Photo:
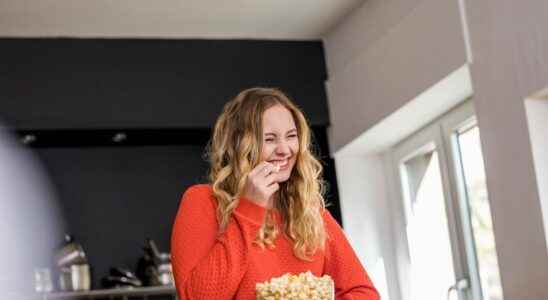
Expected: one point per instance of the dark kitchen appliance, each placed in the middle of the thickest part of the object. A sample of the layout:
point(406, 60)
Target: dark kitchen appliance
point(120, 277)
point(154, 267)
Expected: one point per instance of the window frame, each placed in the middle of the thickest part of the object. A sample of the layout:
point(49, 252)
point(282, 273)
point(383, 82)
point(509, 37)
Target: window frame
point(461, 119)
point(440, 134)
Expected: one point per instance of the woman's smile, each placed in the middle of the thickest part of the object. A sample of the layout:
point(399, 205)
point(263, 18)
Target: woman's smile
point(282, 164)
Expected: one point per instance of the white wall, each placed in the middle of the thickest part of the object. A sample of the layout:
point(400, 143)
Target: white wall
point(510, 48)
point(386, 54)
point(361, 183)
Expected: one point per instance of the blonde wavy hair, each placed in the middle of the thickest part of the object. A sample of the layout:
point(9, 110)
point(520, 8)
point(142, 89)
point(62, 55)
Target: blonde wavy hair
point(234, 150)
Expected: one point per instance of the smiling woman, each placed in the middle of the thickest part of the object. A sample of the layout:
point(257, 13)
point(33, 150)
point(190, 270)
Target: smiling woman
point(265, 191)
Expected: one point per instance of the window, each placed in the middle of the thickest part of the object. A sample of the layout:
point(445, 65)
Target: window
point(478, 225)
point(450, 241)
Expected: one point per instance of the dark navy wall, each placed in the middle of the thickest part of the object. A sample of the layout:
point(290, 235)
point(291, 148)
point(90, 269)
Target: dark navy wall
point(165, 94)
point(82, 83)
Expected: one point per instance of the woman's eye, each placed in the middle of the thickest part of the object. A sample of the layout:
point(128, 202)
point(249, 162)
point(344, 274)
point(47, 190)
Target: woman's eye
point(269, 140)
point(292, 136)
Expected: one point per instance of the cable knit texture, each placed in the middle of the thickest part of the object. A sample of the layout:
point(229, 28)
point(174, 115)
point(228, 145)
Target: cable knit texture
point(227, 266)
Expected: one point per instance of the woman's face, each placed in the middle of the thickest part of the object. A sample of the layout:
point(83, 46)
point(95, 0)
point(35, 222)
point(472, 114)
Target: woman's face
point(280, 140)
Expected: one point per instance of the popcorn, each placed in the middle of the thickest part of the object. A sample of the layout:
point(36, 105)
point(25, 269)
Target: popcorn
point(304, 286)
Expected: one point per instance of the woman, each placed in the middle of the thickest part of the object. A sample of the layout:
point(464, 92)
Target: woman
point(263, 213)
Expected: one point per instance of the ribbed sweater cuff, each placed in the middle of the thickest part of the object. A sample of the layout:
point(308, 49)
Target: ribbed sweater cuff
point(251, 211)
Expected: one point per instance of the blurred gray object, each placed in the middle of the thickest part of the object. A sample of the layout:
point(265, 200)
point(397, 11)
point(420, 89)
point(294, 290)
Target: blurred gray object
point(30, 221)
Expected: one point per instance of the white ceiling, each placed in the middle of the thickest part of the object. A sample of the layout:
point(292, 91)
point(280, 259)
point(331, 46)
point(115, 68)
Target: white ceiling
point(208, 19)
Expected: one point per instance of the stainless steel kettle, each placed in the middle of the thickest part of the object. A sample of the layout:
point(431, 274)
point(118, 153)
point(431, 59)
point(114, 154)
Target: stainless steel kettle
point(74, 270)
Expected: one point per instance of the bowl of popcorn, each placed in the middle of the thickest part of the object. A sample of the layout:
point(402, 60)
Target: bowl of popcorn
point(297, 287)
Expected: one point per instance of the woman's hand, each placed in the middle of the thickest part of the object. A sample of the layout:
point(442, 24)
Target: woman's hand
point(260, 185)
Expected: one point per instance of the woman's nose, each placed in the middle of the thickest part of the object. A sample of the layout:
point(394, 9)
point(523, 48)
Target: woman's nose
point(282, 148)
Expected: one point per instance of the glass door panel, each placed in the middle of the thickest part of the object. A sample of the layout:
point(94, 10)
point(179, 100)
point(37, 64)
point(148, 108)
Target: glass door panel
point(478, 213)
point(429, 243)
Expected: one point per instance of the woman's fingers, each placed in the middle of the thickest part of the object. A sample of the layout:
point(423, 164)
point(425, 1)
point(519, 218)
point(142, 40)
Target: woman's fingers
point(264, 169)
point(261, 182)
point(260, 168)
point(273, 188)
point(270, 178)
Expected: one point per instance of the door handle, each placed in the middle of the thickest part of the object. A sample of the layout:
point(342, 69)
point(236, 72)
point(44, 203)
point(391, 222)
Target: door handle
point(460, 285)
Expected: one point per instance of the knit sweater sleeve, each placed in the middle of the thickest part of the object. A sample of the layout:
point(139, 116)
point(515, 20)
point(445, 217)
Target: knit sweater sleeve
point(207, 265)
point(341, 263)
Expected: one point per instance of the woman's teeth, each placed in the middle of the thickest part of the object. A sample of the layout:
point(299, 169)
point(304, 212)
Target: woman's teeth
point(279, 164)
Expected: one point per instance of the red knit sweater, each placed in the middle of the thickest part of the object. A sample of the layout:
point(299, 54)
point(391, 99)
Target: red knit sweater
point(228, 266)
